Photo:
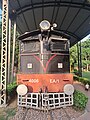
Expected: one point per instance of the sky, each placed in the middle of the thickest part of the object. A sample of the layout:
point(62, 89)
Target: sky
point(88, 36)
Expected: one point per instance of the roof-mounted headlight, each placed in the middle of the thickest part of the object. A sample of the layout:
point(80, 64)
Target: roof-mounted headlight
point(44, 25)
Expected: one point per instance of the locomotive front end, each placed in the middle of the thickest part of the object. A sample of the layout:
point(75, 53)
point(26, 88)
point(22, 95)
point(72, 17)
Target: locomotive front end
point(45, 78)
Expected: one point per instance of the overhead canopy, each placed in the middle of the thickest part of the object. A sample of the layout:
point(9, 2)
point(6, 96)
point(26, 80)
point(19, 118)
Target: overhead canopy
point(72, 16)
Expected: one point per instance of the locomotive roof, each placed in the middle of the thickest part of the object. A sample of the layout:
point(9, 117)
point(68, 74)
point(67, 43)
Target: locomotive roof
point(71, 16)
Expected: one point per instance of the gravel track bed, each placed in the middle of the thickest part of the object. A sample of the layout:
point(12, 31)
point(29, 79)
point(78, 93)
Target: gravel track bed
point(67, 113)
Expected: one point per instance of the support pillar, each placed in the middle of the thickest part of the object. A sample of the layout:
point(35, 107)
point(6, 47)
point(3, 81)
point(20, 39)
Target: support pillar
point(80, 69)
point(13, 52)
point(78, 55)
point(9, 44)
point(4, 53)
point(79, 58)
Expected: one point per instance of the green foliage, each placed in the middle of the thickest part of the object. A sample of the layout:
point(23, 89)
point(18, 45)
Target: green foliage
point(80, 100)
point(10, 112)
point(2, 117)
point(86, 75)
point(73, 55)
point(86, 53)
point(11, 87)
point(76, 78)
point(84, 80)
point(85, 46)
point(81, 79)
point(76, 72)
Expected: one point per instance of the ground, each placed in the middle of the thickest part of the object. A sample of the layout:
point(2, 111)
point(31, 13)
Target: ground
point(9, 111)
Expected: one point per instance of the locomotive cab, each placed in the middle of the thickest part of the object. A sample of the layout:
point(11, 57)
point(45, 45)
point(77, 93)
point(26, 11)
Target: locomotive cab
point(37, 51)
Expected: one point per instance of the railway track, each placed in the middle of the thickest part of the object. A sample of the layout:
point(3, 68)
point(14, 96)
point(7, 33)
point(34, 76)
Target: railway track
point(32, 114)
point(24, 116)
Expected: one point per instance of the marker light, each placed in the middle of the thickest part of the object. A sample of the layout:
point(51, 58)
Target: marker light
point(44, 25)
point(54, 25)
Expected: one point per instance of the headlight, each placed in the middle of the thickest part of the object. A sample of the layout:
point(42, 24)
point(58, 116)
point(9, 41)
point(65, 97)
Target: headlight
point(68, 89)
point(22, 89)
point(44, 25)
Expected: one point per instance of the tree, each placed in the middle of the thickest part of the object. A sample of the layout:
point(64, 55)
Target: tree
point(86, 54)
point(73, 56)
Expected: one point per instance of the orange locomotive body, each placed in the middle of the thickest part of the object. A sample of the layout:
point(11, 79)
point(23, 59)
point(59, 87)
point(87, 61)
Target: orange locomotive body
point(53, 82)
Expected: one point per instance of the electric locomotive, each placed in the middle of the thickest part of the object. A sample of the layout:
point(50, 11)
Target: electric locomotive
point(45, 67)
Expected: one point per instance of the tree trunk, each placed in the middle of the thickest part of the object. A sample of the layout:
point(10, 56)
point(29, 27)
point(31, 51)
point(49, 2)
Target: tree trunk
point(87, 67)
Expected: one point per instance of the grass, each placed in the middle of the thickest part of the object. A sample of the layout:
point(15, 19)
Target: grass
point(2, 117)
point(86, 74)
point(8, 113)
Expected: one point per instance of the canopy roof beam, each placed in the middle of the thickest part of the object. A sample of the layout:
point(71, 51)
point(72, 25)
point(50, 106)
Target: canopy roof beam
point(76, 15)
point(53, 13)
point(65, 15)
point(81, 24)
point(52, 3)
point(33, 14)
point(23, 15)
point(42, 9)
point(57, 12)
